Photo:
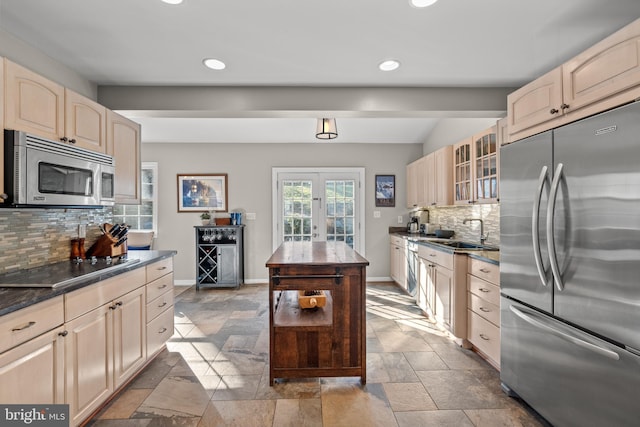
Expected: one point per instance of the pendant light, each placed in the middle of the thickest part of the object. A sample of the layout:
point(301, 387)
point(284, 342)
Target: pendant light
point(326, 129)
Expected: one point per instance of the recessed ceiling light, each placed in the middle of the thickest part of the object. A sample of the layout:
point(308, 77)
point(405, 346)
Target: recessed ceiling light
point(172, 1)
point(214, 64)
point(389, 65)
point(422, 3)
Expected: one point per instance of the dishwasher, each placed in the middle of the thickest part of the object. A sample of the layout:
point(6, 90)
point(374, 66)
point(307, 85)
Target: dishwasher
point(412, 268)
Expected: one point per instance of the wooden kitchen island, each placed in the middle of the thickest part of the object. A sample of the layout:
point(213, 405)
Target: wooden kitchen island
point(318, 342)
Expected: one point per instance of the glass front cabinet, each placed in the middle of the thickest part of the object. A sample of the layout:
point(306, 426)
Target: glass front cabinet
point(476, 171)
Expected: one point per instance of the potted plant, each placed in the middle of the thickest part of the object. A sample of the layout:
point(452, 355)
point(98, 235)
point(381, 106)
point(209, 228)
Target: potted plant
point(206, 218)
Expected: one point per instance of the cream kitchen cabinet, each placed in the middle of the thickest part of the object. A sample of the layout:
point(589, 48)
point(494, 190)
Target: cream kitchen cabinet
point(159, 291)
point(502, 131)
point(439, 178)
point(32, 354)
point(442, 289)
point(399, 261)
point(463, 174)
point(602, 77)
point(483, 285)
point(106, 340)
point(123, 143)
point(415, 183)
point(476, 168)
point(429, 179)
point(42, 107)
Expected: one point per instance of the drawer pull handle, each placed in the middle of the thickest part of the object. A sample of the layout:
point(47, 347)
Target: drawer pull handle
point(162, 268)
point(484, 290)
point(432, 255)
point(162, 305)
point(484, 337)
point(486, 310)
point(119, 304)
point(484, 270)
point(276, 278)
point(162, 330)
point(162, 287)
point(63, 333)
point(22, 328)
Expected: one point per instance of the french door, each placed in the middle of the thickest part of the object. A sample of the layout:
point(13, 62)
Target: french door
point(319, 204)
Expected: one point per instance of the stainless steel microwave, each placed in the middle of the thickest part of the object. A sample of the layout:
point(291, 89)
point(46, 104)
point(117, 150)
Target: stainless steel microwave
point(43, 173)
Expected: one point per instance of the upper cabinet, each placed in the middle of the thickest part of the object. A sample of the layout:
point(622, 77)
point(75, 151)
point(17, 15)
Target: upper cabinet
point(463, 188)
point(32, 103)
point(39, 106)
point(602, 77)
point(536, 102)
point(123, 143)
point(85, 122)
point(486, 152)
point(475, 164)
point(429, 180)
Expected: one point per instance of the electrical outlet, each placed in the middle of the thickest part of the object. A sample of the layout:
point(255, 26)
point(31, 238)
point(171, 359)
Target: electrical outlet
point(400, 220)
point(251, 216)
point(376, 214)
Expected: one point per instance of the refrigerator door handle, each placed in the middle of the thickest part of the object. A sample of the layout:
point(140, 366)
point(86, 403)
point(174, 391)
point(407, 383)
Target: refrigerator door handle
point(575, 340)
point(551, 243)
point(535, 226)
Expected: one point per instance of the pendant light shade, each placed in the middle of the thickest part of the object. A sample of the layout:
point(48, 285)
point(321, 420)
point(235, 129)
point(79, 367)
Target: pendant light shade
point(326, 129)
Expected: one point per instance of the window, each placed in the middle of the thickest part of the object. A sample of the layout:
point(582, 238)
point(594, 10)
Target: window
point(145, 215)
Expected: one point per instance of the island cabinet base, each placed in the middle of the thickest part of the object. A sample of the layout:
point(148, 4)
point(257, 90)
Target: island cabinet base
point(328, 341)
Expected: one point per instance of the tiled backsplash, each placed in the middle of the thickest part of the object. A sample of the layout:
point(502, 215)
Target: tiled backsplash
point(452, 217)
point(34, 237)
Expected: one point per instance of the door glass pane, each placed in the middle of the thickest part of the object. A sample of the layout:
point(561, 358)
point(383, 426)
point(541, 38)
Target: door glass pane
point(297, 222)
point(340, 202)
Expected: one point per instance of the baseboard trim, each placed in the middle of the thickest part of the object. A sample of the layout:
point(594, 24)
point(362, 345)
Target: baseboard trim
point(265, 281)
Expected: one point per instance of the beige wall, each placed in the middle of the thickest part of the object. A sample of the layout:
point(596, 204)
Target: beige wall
point(249, 178)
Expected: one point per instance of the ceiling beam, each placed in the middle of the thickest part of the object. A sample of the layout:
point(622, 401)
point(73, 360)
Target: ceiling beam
point(206, 101)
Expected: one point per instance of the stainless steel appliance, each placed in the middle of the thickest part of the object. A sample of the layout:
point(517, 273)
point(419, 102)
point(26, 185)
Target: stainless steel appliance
point(39, 172)
point(570, 270)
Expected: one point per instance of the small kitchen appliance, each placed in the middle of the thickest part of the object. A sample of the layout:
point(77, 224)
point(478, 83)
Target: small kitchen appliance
point(413, 226)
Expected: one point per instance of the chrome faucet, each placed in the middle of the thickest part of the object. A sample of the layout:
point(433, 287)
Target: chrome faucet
point(483, 238)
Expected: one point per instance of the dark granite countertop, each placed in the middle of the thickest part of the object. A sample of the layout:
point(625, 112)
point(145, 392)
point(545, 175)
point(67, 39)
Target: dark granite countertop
point(16, 298)
point(492, 257)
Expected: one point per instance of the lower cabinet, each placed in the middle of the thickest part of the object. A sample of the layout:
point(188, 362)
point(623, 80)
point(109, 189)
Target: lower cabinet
point(35, 370)
point(80, 347)
point(441, 288)
point(483, 284)
point(399, 261)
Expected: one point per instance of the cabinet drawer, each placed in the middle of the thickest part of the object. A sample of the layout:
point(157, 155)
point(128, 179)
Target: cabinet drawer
point(159, 286)
point(444, 259)
point(398, 241)
point(485, 336)
point(22, 325)
point(160, 304)
point(159, 330)
point(484, 270)
point(483, 289)
point(93, 296)
point(485, 309)
point(159, 269)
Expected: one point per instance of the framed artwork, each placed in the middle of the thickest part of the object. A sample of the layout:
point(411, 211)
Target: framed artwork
point(385, 190)
point(202, 193)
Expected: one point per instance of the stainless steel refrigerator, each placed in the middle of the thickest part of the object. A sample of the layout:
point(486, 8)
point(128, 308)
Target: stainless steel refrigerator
point(570, 270)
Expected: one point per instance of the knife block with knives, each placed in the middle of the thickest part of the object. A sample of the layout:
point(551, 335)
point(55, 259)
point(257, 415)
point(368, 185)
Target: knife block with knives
point(113, 241)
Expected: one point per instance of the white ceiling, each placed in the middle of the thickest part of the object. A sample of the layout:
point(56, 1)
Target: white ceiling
point(454, 43)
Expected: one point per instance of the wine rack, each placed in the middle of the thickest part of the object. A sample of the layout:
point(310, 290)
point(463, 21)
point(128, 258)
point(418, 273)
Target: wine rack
point(219, 256)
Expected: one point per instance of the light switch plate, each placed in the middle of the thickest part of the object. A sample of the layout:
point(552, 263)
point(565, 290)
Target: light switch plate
point(400, 220)
point(376, 214)
point(251, 216)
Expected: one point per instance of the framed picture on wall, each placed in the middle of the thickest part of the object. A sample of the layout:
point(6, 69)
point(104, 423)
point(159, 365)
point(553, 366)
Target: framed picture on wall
point(385, 190)
point(202, 193)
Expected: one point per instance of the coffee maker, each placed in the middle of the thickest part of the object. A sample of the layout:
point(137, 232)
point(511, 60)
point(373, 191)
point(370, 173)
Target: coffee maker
point(413, 226)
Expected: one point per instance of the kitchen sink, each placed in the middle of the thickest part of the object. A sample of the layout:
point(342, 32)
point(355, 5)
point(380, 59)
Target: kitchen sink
point(467, 246)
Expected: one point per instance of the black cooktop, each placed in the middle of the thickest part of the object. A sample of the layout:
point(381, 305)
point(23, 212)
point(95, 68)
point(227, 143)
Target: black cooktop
point(63, 273)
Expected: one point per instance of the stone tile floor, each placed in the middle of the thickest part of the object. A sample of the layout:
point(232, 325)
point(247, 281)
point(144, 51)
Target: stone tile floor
point(215, 372)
